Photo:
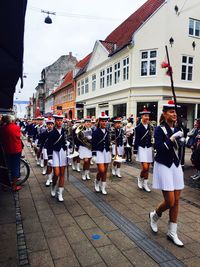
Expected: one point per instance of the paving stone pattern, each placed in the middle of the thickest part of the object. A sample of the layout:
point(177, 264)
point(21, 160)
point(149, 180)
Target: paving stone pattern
point(61, 234)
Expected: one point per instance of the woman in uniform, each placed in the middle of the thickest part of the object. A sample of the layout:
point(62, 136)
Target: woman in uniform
point(56, 150)
point(101, 148)
point(167, 172)
point(117, 152)
point(143, 148)
point(84, 137)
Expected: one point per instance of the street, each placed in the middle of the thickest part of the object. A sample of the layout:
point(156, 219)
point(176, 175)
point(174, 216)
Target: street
point(89, 229)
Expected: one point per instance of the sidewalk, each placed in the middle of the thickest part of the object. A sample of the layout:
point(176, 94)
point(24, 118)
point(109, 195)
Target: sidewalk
point(89, 229)
point(8, 238)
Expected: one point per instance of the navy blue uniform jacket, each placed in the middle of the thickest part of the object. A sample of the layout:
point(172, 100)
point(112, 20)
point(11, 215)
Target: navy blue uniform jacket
point(145, 141)
point(99, 143)
point(119, 134)
point(165, 153)
point(52, 145)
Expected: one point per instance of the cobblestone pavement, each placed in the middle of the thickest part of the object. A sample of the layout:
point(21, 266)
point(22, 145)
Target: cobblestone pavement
point(78, 232)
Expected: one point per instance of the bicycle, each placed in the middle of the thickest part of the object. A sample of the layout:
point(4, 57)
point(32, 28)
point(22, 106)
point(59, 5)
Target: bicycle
point(24, 173)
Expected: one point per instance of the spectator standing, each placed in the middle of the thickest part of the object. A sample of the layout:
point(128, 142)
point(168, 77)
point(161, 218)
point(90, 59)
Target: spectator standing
point(10, 138)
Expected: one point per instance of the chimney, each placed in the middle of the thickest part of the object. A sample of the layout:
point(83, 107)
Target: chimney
point(70, 54)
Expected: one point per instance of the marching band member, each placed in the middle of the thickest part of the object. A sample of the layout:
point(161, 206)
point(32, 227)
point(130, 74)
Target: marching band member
point(76, 160)
point(143, 148)
point(167, 172)
point(101, 147)
point(56, 150)
point(47, 169)
point(40, 129)
point(129, 133)
point(117, 137)
point(84, 137)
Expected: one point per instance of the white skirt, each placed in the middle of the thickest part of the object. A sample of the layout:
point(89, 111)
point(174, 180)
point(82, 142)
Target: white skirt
point(145, 154)
point(167, 179)
point(120, 150)
point(59, 158)
point(44, 153)
point(84, 152)
point(103, 157)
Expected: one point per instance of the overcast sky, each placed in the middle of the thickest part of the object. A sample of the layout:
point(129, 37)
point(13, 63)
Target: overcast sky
point(73, 30)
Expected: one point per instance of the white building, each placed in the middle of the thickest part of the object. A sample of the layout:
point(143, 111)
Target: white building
point(124, 73)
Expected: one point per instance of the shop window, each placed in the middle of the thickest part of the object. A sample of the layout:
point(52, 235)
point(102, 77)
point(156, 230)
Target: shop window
point(119, 110)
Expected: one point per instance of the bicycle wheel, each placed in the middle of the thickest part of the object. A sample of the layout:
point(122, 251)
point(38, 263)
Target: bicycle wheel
point(24, 171)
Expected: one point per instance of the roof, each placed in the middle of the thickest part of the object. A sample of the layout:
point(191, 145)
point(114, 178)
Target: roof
point(83, 62)
point(108, 45)
point(82, 65)
point(123, 34)
point(68, 79)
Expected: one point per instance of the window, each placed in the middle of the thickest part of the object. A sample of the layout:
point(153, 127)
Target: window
point(125, 69)
point(69, 94)
point(194, 27)
point(109, 76)
point(86, 85)
point(187, 68)
point(119, 110)
point(79, 88)
point(117, 72)
point(148, 63)
point(82, 87)
point(102, 78)
point(94, 78)
point(91, 112)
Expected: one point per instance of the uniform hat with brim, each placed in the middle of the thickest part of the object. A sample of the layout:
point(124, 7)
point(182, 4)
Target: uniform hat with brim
point(103, 116)
point(145, 111)
point(87, 118)
point(117, 119)
point(49, 120)
point(40, 118)
point(58, 116)
point(169, 105)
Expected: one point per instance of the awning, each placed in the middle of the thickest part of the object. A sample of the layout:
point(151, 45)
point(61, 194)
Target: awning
point(11, 48)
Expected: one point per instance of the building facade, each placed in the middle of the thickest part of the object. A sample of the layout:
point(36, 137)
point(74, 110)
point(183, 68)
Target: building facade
point(52, 76)
point(124, 73)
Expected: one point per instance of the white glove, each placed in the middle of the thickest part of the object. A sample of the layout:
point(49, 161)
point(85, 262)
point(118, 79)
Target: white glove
point(50, 162)
point(176, 135)
point(94, 159)
point(67, 144)
point(89, 137)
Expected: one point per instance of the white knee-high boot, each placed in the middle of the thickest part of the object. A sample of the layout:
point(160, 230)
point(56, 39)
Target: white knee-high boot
point(97, 185)
point(84, 175)
point(172, 234)
point(103, 188)
point(87, 172)
point(60, 194)
point(153, 216)
point(49, 179)
point(118, 173)
point(140, 182)
point(53, 190)
point(78, 167)
point(145, 186)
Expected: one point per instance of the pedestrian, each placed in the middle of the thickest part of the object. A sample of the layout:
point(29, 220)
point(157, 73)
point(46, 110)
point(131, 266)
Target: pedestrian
point(10, 138)
point(56, 151)
point(101, 148)
point(143, 148)
point(167, 171)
